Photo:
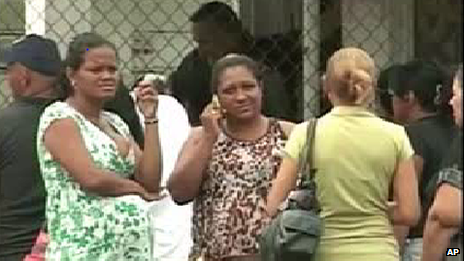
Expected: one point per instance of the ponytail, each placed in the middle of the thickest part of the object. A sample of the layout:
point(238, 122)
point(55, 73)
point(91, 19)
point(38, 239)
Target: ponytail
point(355, 87)
point(350, 76)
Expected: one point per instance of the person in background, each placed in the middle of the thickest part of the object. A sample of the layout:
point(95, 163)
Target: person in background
point(171, 224)
point(357, 156)
point(443, 228)
point(226, 165)
point(33, 64)
point(96, 177)
point(124, 107)
point(218, 31)
point(420, 102)
point(387, 78)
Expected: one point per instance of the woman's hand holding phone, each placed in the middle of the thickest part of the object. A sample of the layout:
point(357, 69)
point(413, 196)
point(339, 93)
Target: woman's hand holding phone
point(210, 119)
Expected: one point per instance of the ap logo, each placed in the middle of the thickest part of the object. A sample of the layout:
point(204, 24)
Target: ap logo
point(453, 251)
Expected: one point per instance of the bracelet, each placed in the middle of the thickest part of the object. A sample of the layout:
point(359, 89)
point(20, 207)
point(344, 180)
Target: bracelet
point(151, 121)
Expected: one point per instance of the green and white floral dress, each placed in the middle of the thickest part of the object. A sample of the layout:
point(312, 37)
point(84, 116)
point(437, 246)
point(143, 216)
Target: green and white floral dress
point(84, 226)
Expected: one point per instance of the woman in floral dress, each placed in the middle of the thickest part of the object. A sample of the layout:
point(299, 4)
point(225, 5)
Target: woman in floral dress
point(97, 178)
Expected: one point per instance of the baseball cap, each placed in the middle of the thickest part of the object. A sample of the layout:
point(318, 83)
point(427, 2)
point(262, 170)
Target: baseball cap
point(36, 53)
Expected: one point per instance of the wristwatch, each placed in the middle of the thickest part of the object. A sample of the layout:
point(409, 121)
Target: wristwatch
point(452, 176)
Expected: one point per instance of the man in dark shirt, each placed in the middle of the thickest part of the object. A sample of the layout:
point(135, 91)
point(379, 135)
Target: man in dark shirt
point(431, 138)
point(218, 31)
point(32, 67)
point(420, 101)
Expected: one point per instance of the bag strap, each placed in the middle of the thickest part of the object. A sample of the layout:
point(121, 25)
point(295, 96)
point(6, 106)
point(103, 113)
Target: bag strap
point(306, 162)
point(307, 171)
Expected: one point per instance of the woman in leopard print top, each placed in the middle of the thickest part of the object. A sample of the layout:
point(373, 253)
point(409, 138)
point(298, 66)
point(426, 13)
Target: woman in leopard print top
point(227, 164)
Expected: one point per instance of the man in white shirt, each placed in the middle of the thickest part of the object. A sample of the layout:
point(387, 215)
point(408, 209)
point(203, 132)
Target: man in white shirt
point(171, 223)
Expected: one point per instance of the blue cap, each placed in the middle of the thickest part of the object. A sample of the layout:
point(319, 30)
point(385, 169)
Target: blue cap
point(36, 53)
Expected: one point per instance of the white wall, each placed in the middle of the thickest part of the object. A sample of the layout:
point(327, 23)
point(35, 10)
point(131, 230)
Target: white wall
point(58, 20)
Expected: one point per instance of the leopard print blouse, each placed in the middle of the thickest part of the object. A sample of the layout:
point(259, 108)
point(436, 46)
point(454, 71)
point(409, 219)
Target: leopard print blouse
point(226, 219)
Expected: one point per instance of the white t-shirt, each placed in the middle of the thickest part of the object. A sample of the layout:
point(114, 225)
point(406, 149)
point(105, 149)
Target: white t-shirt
point(171, 223)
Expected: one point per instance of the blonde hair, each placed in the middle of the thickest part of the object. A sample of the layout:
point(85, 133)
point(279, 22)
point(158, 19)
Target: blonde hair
point(351, 76)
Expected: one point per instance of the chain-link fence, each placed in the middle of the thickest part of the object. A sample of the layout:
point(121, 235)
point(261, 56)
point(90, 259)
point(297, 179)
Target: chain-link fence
point(295, 37)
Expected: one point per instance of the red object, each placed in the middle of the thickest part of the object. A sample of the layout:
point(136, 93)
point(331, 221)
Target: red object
point(39, 248)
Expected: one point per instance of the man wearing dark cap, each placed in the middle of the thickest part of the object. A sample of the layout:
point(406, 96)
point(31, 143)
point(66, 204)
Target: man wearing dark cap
point(33, 64)
point(218, 31)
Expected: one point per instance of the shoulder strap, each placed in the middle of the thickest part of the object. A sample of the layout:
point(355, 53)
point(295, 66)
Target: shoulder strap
point(306, 162)
point(307, 171)
point(281, 129)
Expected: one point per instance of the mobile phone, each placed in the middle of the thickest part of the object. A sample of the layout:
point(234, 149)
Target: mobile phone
point(215, 102)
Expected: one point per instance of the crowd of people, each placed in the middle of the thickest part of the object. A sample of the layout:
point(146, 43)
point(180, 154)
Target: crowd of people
point(195, 165)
